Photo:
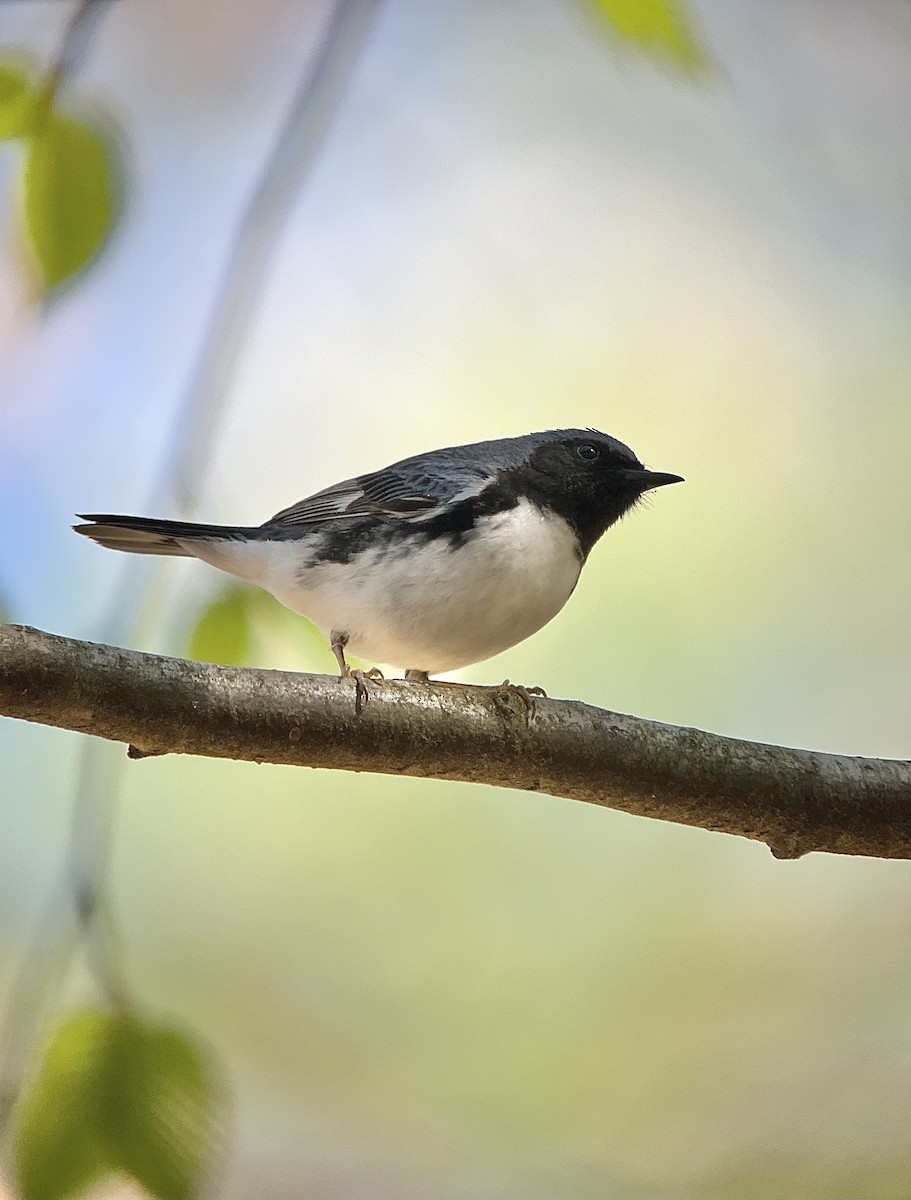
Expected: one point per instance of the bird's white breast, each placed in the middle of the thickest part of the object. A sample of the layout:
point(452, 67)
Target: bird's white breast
point(430, 605)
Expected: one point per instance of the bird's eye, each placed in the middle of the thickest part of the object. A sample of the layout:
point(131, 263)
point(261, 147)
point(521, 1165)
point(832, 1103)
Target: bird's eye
point(588, 452)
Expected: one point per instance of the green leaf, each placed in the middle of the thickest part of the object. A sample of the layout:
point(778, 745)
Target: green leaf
point(17, 101)
point(57, 1149)
point(158, 1115)
point(117, 1095)
point(244, 624)
point(659, 27)
point(222, 632)
point(293, 637)
point(68, 195)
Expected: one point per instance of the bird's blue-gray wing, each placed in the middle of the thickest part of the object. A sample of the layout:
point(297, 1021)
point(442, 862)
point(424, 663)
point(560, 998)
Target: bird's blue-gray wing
point(406, 489)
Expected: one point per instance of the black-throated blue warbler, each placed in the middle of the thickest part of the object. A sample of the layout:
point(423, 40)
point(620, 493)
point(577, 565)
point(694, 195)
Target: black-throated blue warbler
point(433, 563)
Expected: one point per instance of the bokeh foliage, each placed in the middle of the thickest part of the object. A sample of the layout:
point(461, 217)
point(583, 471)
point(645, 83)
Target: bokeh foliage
point(662, 28)
point(118, 1095)
point(66, 177)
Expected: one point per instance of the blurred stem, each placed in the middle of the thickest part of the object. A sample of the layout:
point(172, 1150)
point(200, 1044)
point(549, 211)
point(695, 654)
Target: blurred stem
point(77, 36)
point(90, 837)
point(50, 952)
point(184, 467)
point(294, 152)
point(134, 603)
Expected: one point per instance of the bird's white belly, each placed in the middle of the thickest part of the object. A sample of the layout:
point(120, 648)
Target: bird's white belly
point(432, 606)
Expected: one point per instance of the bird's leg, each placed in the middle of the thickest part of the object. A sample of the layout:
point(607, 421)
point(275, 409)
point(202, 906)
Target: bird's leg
point(414, 676)
point(338, 642)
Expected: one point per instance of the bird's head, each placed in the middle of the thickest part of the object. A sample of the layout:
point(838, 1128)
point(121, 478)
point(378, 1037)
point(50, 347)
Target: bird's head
point(588, 478)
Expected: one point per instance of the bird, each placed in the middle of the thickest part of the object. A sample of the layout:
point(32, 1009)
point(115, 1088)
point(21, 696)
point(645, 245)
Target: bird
point(436, 562)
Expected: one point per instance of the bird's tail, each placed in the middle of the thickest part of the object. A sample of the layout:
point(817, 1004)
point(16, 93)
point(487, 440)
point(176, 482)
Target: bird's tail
point(146, 535)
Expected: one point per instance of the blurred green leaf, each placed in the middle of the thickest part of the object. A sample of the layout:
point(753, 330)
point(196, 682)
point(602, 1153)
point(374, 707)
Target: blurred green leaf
point(117, 1095)
point(659, 27)
point(296, 639)
point(57, 1149)
point(17, 100)
point(69, 196)
point(245, 624)
point(222, 632)
point(5, 614)
point(159, 1112)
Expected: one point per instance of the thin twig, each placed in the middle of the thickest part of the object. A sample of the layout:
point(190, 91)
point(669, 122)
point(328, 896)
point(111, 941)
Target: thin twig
point(42, 970)
point(281, 179)
point(302, 135)
point(77, 37)
point(184, 463)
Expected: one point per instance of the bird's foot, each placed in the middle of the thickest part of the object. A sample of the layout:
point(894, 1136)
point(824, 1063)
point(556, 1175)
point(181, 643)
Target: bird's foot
point(361, 691)
point(500, 693)
point(526, 695)
point(337, 644)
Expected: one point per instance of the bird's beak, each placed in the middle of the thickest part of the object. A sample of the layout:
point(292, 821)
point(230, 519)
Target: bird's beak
point(645, 481)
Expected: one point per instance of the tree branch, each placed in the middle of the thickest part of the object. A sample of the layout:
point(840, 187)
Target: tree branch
point(793, 800)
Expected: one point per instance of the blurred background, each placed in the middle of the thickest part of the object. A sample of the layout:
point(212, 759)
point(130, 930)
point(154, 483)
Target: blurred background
point(431, 991)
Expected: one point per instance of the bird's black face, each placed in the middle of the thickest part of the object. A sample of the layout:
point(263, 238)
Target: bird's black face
point(590, 481)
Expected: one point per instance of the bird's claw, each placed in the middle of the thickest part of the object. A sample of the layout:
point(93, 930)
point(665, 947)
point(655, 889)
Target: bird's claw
point(526, 695)
point(337, 645)
point(361, 691)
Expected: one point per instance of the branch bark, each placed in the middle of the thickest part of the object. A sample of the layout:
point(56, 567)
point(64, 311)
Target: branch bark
point(793, 800)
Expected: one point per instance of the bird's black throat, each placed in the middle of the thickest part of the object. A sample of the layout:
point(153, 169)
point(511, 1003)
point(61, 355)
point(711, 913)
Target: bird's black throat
point(590, 506)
